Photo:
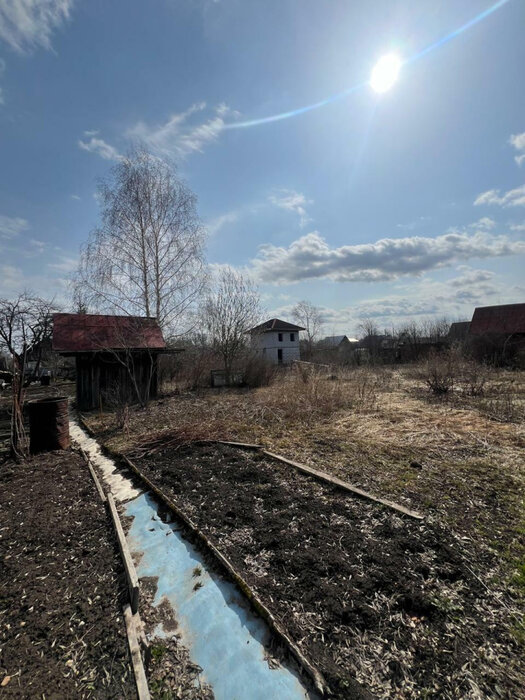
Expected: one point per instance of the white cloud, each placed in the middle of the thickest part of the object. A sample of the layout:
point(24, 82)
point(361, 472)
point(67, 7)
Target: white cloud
point(518, 141)
point(37, 246)
point(418, 300)
point(518, 227)
point(64, 264)
point(10, 277)
point(2, 71)
point(311, 257)
point(11, 227)
point(290, 200)
point(215, 225)
point(29, 24)
point(75, 196)
point(180, 136)
point(416, 223)
point(512, 198)
point(14, 280)
point(100, 147)
point(483, 224)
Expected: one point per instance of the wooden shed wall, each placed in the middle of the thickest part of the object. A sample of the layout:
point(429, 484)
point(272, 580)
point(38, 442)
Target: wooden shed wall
point(102, 379)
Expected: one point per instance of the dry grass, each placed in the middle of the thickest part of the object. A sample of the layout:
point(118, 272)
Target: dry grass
point(379, 429)
point(458, 459)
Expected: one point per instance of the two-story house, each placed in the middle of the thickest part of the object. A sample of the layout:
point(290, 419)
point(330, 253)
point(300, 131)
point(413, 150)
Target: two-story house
point(276, 340)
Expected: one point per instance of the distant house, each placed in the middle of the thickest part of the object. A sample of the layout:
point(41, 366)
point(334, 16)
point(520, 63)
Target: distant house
point(507, 320)
point(116, 356)
point(276, 340)
point(339, 342)
point(497, 334)
point(458, 331)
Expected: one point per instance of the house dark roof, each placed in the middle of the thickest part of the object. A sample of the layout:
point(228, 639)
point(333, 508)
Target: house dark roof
point(333, 341)
point(506, 319)
point(92, 332)
point(275, 324)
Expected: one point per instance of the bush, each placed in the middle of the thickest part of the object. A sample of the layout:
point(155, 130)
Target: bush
point(258, 371)
point(439, 372)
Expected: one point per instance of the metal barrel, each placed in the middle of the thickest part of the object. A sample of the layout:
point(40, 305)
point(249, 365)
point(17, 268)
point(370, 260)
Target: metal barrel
point(48, 424)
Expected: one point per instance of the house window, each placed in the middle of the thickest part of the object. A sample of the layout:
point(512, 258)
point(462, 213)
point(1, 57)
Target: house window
point(280, 337)
point(292, 337)
point(280, 354)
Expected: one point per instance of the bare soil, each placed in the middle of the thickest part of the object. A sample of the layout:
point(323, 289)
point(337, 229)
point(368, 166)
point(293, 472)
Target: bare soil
point(458, 460)
point(62, 633)
point(365, 593)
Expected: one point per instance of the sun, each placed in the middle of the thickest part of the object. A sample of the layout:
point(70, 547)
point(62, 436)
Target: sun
point(385, 72)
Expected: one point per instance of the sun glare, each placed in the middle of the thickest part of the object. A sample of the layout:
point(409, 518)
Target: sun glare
point(385, 72)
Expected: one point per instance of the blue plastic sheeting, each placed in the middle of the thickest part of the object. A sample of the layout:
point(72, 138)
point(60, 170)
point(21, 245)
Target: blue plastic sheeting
point(221, 634)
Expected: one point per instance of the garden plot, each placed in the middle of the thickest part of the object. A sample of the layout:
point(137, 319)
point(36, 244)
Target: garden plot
point(363, 591)
point(62, 633)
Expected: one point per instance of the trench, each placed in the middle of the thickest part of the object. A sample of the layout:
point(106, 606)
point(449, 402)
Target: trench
point(216, 623)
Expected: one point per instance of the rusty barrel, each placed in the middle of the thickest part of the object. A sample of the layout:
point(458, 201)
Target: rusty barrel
point(48, 424)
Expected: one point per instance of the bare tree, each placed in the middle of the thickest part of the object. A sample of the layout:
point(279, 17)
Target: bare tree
point(25, 322)
point(368, 328)
point(229, 311)
point(147, 257)
point(309, 316)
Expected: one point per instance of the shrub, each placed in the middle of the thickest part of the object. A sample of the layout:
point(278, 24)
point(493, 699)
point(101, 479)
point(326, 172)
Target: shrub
point(439, 372)
point(472, 376)
point(258, 371)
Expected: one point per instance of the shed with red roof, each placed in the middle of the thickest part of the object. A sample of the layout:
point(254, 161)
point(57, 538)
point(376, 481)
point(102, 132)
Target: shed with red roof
point(116, 356)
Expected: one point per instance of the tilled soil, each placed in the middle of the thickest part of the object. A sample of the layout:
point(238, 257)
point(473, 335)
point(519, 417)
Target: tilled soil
point(62, 633)
point(364, 592)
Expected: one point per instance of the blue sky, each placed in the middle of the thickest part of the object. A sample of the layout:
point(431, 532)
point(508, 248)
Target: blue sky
point(409, 204)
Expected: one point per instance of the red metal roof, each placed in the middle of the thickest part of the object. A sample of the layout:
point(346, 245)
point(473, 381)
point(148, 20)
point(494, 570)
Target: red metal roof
point(94, 332)
point(506, 319)
point(275, 324)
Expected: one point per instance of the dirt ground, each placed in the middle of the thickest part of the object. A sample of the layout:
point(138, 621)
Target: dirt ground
point(458, 460)
point(366, 594)
point(62, 633)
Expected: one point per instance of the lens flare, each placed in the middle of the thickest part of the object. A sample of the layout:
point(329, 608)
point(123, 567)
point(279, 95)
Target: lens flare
point(385, 73)
point(359, 86)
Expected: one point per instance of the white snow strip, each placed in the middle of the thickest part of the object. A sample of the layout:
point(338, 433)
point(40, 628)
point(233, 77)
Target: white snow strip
point(119, 486)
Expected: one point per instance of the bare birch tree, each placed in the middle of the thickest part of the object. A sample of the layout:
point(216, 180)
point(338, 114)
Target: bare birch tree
point(231, 309)
point(147, 257)
point(309, 316)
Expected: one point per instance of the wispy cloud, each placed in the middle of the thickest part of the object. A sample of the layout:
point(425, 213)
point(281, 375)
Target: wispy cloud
point(421, 299)
point(64, 264)
point(10, 227)
point(75, 196)
point(512, 198)
point(215, 225)
point(181, 135)
point(293, 201)
point(29, 24)
point(98, 146)
point(311, 257)
point(518, 141)
point(2, 71)
point(483, 224)
point(36, 246)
